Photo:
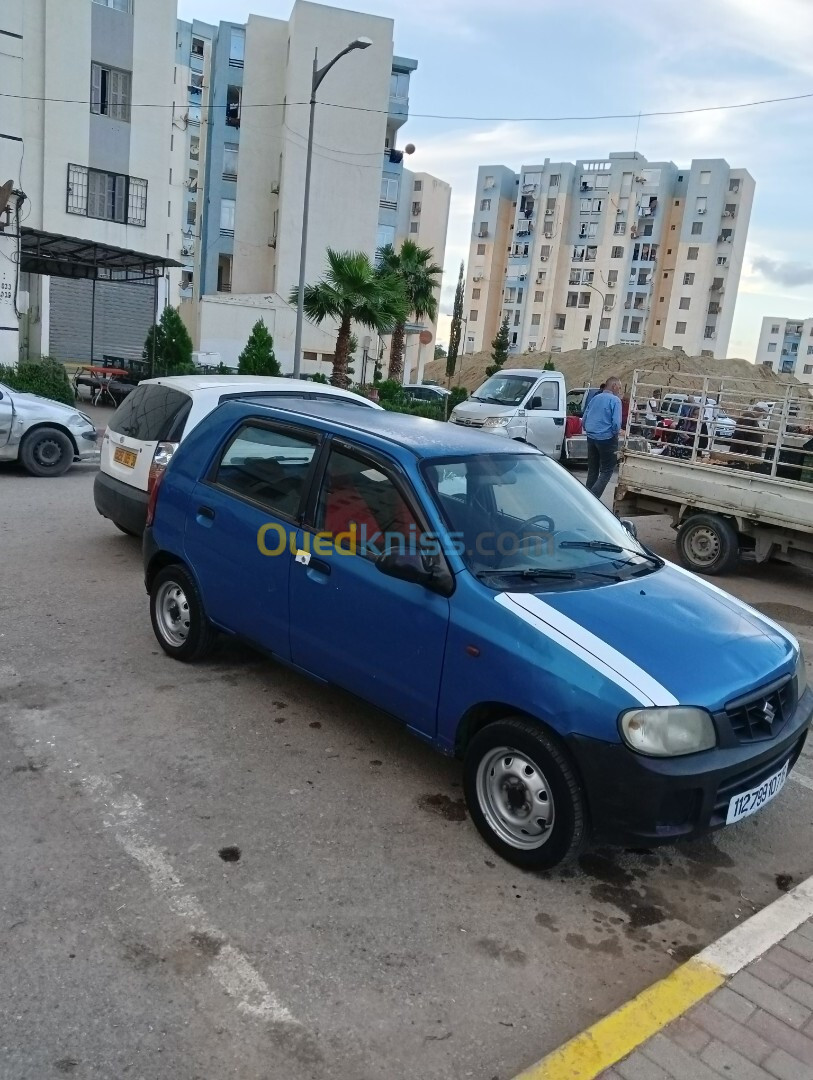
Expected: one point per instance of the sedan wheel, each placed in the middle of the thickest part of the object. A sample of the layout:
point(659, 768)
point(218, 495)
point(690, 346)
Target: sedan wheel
point(178, 619)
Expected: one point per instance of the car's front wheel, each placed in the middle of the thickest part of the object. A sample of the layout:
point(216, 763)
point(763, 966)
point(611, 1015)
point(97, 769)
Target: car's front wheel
point(524, 795)
point(46, 451)
point(178, 619)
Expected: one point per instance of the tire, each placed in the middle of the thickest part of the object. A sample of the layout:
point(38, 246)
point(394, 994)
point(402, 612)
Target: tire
point(708, 544)
point(178, 619)
point(524, 750)
point(127, 532)
point(46, 451)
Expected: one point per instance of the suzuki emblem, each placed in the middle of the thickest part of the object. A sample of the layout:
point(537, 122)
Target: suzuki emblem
point(769, 712)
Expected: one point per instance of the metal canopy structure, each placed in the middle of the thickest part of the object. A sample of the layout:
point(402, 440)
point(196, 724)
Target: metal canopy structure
point(68, 256)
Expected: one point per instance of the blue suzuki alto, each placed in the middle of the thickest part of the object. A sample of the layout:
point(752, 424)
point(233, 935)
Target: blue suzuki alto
point(477, 592)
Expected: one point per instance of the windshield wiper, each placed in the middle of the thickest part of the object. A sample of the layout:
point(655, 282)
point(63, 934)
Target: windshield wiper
point(606, 545)
point(529, 572)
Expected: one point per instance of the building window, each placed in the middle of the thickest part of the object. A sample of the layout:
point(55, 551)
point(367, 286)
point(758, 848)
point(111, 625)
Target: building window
point(572, 299)
point(810, 350)
point(808, 369)
point(234, 98)
point(693, 253)
point(625, 324)
point(413, 226)
point(473, 315)
point(108, 196)
point(194, 147)
point(386, 235)
point(389, 191)
point(584, 299)
point(197, 46)
point(488, 182)
point(536, 320)
point(733, 186)
point(559, 322)
point(730, 209)
point(237, 48)
point(604, 324)
point(705, 178)
point(481, 249)
point(187, 279)
point(517, 317)
point(775, 328)
point(224, 265)
point(684, 303)
point(485, 204)
point(697, 228)
point(555, 180)
point(230, 152)
point(110, 92)
point(688, 279)
point(475, 294)
point(399, 86)
point(227, 217)
point(483, 230)
point(635, 326)
point(680, 328)
point(617, 253)
point(620, 228)
point(771, 346)
point(588, 322)
point(418, 185)
point(117, 5)
point(191, 212)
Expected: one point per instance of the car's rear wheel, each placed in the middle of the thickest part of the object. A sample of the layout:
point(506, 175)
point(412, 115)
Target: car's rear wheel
point(178, 619)
point(523, 794)
point(126, 531)
point(708, 544)
point(46, 451)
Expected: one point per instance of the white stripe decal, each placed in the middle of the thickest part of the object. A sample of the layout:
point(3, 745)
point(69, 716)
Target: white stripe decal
point(786, 634)
point(589, 648)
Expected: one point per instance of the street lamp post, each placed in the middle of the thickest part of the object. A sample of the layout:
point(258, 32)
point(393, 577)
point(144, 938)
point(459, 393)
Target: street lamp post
point(598, 331)
point(316, 80)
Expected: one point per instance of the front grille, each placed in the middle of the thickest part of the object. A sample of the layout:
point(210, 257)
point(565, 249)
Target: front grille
point(763, 714)
point(467, 422)
point(752, 777)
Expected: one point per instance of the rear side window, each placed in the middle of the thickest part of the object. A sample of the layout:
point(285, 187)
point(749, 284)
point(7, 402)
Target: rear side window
point(268, 465)
point(152, 413)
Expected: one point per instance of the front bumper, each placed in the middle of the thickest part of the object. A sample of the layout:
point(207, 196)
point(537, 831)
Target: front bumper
point(642, 800)
point(125, 505)
point(87, 444)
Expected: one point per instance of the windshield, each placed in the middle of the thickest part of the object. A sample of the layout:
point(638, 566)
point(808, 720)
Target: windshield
point(505, 389)
point(519, 518)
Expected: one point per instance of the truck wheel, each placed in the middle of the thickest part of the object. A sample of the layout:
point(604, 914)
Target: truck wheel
point(708, 544)
point(46, 451)
point(523, 794)
point(178, 619)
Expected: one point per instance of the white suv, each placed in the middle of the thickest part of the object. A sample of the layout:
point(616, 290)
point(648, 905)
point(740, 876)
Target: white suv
point(145, 430)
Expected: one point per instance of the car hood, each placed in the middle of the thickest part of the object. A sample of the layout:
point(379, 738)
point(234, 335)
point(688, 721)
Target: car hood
point(669, 635)
point(33, 404)
point(483, 409)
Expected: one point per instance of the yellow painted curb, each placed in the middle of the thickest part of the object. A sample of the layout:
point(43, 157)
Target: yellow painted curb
point(609, 1040)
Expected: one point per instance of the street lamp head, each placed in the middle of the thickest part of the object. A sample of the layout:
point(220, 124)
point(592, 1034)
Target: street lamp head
point(361, 43)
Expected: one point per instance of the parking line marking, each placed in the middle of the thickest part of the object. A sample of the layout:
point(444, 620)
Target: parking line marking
point(800, 778)
point(612, 1038)
point(599, 1047)
point(230, 967)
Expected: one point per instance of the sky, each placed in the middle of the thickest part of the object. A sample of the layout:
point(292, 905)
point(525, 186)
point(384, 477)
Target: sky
point(532, 58)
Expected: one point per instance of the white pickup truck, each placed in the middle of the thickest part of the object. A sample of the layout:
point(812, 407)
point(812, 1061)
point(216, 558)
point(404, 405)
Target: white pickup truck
point(748, 494)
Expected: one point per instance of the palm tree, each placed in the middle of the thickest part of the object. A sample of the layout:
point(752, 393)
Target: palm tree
point(352, 292)
point(412, 266)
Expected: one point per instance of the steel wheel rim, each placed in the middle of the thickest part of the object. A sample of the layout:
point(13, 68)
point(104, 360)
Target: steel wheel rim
point(515, 798)
point(172, 613)
point(48, 453)
point(703, 545)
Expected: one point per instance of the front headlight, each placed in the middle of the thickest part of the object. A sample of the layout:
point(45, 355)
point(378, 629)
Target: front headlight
point(801, 675)
point(497, 421)
point(668, 731)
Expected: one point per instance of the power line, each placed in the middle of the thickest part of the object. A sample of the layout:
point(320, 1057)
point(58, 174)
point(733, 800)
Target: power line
point(442, 116)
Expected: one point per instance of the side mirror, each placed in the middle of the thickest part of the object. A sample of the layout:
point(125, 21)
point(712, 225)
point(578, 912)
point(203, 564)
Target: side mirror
point(414, 569)
point(535, 403)
point(630, 527)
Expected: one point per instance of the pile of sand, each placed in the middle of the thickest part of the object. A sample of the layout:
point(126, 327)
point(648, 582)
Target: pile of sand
point(621, 360)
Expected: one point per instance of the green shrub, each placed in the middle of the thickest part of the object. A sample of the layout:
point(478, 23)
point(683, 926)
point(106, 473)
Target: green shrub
point(458, 394)
point(46, 377)
point(258, 356)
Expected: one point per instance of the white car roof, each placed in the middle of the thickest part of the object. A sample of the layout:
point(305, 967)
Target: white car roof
point(200, 384)
point(539, 372)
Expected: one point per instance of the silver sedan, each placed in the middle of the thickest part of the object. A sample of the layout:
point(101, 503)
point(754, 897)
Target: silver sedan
point(45, 436)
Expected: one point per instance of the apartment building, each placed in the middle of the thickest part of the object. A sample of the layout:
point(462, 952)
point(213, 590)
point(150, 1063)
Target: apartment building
point(619, 250)
point(86, 132)
point(786, 346)
point(246, 136)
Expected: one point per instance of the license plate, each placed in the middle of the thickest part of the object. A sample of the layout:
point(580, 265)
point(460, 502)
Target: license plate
point(742, 806)
point(125, 457)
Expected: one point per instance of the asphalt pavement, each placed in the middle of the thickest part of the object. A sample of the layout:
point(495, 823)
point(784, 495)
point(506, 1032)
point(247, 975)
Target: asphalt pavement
point(227, 872)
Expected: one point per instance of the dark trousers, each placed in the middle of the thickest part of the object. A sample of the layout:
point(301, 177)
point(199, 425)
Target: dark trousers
point(601, 460)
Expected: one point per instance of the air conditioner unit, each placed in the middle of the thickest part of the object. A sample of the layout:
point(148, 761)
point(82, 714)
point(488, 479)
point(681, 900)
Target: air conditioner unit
point(272, 240)
point(640, 179)
point(187, 252)
point(634, 234)
point(728, 213)
point(548, 213)
point(619, 210)
point(543, 258)
point(477, 277)
point(701, 210)
point(522, 277)
point(548, 235)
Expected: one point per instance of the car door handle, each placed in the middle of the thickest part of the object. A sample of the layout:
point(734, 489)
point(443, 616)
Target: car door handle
point(205, 516)
point(319, 566)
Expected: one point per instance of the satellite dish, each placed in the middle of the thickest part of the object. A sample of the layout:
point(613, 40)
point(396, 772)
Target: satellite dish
point(409, 148)
point(5, 194)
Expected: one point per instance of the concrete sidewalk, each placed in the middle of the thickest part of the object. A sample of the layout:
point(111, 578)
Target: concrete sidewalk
point(743, 1007)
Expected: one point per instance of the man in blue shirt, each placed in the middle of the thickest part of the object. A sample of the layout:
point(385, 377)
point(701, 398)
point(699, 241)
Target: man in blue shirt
point(601, 424)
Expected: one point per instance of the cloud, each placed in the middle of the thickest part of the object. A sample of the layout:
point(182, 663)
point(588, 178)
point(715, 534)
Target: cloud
point(784, 272)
